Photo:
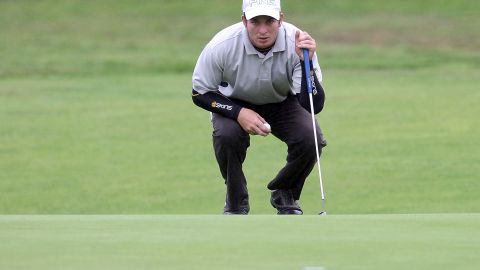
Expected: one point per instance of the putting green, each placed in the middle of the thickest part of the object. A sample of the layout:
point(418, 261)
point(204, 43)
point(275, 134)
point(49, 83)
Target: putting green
point(431, 241)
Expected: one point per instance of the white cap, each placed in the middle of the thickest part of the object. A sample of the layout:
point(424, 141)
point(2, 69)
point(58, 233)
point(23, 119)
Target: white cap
point(254, 8)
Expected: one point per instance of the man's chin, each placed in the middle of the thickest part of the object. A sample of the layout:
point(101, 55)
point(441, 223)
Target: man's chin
point(264, 45)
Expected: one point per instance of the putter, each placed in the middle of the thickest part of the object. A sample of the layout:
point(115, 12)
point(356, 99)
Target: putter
point(310, 95)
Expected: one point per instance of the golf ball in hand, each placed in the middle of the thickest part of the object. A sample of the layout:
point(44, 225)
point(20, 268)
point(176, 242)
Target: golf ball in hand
point(267, 126)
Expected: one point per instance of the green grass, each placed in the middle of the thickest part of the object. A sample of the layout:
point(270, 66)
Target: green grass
point(113, 145)
point(256, 242)
point(96, 116)
point(79, 38)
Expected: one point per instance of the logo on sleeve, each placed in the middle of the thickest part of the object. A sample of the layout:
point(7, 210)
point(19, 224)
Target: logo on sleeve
point(221, 106)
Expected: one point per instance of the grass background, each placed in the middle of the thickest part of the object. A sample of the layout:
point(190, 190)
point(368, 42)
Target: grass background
point(423, 242)
point(96, 116)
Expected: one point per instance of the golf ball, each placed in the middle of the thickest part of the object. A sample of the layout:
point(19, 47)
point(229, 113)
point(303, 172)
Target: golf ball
point(267, 125)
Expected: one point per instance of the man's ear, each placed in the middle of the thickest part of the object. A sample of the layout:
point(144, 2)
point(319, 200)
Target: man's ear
point(280, 20)
point(244, 20)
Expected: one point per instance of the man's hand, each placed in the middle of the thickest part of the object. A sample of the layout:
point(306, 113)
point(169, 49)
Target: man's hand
point(304, 41)
point(252, 122)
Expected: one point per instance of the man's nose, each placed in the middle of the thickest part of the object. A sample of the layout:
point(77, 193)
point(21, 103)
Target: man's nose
point(263, 29)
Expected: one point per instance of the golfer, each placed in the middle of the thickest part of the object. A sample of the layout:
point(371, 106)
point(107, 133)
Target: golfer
point(251, 77)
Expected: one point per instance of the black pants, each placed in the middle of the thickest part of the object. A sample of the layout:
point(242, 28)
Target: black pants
point(292, 124)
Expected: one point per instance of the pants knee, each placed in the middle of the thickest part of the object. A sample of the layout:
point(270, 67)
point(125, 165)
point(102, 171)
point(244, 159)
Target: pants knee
point(231, 137)
point(307, 144)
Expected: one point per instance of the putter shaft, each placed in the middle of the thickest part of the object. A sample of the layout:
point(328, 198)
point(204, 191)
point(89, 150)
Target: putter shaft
point(310, 95)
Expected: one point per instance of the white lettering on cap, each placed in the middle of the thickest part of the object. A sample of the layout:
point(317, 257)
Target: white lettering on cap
point(262, 2)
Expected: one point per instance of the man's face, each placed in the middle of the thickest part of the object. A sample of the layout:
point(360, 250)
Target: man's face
point(262, 30)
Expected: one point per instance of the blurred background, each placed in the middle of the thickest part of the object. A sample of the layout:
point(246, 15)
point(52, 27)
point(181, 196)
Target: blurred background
point(96, 115)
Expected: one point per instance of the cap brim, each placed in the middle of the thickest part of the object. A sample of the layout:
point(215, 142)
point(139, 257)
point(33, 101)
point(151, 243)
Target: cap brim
point(254, 13)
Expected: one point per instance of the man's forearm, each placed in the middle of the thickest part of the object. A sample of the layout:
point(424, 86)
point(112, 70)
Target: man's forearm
point(217, 103)
point(318, 94)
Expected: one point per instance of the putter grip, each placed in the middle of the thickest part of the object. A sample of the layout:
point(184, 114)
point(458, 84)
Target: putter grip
point(306, 60)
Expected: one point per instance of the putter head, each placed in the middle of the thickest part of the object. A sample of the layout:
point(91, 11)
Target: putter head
point(323, 213)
